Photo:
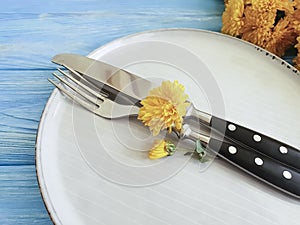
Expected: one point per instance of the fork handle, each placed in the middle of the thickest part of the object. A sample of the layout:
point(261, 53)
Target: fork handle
point(271, 171)
point(260, 142)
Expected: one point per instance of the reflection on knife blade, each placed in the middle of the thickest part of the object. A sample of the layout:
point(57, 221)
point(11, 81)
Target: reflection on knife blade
point(111, 79)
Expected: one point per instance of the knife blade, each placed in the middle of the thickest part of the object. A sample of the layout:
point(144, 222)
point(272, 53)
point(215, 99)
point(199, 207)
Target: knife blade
point(118, 82)
point(115, 79)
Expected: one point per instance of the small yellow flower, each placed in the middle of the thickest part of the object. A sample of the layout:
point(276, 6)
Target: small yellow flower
point(232, 17)
point(258, 26)
point(285, 5)
point(295, 20)
point(296, 4)
point(296, 60)
point(161, 149)
point(264, 5)
point(283, 37)
point(164, 108)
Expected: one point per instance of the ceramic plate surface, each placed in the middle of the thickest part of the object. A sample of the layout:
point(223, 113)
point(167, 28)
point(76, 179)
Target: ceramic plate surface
point(95, 171)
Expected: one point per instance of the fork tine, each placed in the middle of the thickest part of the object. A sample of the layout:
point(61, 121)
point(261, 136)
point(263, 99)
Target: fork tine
point(76, 99)
point(92, 99)
point(104, 94)
point(91, 91)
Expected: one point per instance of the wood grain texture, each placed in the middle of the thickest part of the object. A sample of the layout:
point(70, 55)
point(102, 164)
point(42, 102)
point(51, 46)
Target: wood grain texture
point(31, 32)
point(20, 197)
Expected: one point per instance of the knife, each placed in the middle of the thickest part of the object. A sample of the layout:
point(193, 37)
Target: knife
point(271, 171)
point(116, 82)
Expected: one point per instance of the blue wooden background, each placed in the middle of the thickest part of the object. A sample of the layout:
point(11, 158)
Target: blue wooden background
point(31, 32)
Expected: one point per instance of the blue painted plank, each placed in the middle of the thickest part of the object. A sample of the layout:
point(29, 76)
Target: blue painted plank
point(21, 201)
point(92, 5)
point(23, 96)
point(29, 39)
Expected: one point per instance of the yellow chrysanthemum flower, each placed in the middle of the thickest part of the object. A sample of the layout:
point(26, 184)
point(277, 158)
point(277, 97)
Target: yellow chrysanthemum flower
point(283, 37)
point(296, 4)
point(232, 17)
point(257, 27)
point(295, 20)
point(164, 107)
point(271, 5)
point(296, 60)
point(285, 5)
point(271, 24)
point(160, 149)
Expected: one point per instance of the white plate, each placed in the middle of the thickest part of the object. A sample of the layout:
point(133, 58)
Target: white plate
point(94, 171)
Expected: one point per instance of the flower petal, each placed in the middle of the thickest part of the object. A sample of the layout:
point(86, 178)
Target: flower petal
point(164, 107)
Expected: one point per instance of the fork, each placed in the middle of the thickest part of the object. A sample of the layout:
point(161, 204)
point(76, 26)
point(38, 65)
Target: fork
point(265, 168)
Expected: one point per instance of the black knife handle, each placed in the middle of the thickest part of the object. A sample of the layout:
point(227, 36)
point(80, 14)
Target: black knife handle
point(271, 171)
point(262, 143)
